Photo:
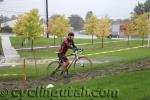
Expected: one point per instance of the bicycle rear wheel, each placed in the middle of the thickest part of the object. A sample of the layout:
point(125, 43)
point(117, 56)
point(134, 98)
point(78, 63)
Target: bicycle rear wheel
point(54, 70)
point(83, 64)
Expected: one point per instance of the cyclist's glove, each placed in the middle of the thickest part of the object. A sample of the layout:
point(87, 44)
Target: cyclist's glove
point(75, 49)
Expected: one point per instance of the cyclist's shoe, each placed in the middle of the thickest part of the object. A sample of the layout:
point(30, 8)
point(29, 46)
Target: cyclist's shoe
point(65, 75)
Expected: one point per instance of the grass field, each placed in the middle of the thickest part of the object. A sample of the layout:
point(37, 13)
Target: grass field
point(131, 85)
point(17, 42)
point(50, 52)
point(125, 57)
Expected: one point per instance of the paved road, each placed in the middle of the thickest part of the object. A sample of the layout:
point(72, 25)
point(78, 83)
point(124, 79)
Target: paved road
point(11, 55)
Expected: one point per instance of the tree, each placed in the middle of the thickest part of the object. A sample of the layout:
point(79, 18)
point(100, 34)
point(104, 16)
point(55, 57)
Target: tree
point(50, 29)
point(130, 30)
point(20, 28)
point(139, 9)
point(33, 26)
point(6, 29)
point(142, 26)
point(28, 26)
point(50, 26)
point(13, 17)
point(91, 26)
point(59, 26)
point(104, 28)
point(147, 6)
point(142, 8)
point(76, 22)
point(88, 15)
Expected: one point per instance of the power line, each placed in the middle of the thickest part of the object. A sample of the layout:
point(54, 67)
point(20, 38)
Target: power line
point(16, 12)
point(10, 11)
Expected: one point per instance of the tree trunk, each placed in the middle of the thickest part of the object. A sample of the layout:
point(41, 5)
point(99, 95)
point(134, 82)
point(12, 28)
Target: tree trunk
point(143, 40)
point(32, 45)
point(54, 40)
point(128, 40)
point(61, 39)
point(23, 42)
point(92, 39)
point(102, 42)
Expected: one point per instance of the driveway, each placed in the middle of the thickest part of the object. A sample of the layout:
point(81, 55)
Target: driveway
point(10, 54)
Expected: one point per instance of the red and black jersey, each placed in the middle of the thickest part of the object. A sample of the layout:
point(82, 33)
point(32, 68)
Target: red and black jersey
point(67, 44)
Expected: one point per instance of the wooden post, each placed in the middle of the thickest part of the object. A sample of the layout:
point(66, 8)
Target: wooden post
point(25, 76)
point(24, 83)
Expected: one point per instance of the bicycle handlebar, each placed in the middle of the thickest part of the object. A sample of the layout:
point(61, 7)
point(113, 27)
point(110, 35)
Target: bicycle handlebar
point(77, 51)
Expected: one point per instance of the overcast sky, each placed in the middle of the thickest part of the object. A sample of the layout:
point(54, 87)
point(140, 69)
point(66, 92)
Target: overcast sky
point(115, 9)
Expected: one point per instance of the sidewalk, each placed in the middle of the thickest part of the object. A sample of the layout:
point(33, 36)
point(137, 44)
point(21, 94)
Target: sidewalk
point(10, 54)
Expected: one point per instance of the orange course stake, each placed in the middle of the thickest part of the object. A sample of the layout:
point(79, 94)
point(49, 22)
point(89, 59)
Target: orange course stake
point(24, 70)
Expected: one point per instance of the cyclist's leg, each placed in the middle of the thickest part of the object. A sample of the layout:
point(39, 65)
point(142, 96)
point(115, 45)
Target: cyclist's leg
point(65, 62)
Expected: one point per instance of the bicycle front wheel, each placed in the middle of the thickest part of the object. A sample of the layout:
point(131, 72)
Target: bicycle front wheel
point(83, 64)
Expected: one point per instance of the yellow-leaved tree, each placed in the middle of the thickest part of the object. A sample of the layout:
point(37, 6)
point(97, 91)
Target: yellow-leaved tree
point(130, 30)
point(50, 26)
point(33, 26)
point(142, 26)
point(59, 26)
point(20, 28)
point(104, 28)
point(29, 26)
point(91, 26)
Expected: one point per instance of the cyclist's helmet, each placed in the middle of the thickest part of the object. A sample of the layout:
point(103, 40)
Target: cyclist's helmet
point(71, 34)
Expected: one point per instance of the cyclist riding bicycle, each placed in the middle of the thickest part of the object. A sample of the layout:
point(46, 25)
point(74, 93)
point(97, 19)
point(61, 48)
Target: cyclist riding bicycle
point(66, 44)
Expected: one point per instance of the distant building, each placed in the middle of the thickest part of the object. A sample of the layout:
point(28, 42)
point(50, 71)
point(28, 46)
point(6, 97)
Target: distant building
point(117, 29)
point(9, 23)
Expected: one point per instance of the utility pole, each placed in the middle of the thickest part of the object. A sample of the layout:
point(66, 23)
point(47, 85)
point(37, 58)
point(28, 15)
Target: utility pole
point(149, 31)
point(47, 18)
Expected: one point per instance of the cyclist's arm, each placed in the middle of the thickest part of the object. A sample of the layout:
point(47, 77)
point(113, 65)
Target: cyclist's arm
point(68, 45)
point(74, 46)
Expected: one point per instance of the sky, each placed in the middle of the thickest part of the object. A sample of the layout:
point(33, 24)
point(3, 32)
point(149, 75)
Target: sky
point(115, 9)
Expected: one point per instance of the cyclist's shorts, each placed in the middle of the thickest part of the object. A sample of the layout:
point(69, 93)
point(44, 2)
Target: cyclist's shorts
point(62, 57)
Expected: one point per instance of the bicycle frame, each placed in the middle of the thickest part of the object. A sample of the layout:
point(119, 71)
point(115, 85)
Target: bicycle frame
point(74, 59)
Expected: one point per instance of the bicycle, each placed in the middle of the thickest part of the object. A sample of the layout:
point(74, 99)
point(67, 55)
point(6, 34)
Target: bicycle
point(78, 61)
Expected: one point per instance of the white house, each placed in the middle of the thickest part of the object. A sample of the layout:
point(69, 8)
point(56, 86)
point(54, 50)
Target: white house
point(9, 23)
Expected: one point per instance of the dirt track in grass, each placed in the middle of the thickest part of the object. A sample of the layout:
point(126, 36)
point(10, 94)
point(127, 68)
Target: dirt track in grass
point(122, 68)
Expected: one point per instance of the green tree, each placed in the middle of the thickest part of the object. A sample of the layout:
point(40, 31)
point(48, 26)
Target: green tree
point(88, 15)
point(91, 26)
point(139, 9)
point(142, 8)
point(76, 22)
point(147, 6)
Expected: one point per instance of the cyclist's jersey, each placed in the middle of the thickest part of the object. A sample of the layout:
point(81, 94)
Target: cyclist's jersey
point(67, 44)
